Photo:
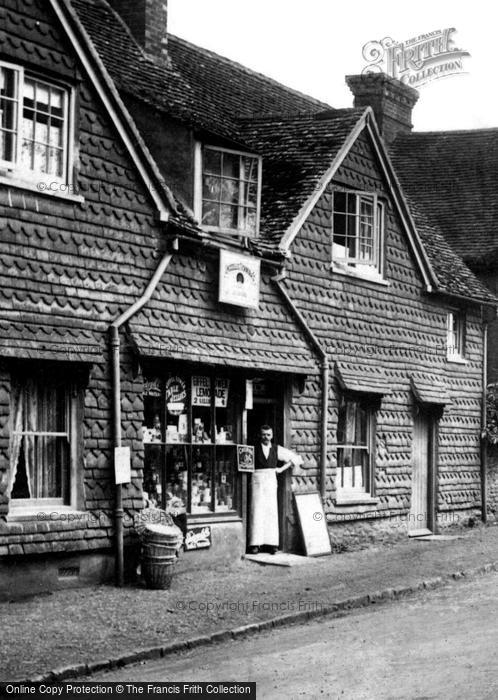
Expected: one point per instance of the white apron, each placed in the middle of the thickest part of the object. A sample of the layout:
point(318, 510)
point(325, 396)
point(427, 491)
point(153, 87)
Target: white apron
point(263, 521)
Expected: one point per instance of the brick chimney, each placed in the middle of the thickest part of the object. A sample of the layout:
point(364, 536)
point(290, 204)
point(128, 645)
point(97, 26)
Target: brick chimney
point(391, 100)
point(148, 22)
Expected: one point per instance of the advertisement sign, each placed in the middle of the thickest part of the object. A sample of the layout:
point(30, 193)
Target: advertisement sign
point(245, 458)
point(176, 394)
point(122, 465)
point(221, 388)
point(201, 391)
point(198, 538)
point(239, 279)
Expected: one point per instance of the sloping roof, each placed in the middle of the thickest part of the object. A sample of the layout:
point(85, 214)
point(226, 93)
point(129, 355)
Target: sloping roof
point(297, 135)
point(297, 151)
point(453, 176)
point(25, 340)
point(195, 85)
point(184, 321)
point(454, 277)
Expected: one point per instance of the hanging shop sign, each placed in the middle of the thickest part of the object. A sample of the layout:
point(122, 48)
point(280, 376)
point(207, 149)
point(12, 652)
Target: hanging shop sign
point(245, 458)
point(198, 538)
point(239, 279)
point(176, 395)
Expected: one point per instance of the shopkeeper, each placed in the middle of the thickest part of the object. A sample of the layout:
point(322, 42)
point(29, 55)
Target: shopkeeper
point(263, 524)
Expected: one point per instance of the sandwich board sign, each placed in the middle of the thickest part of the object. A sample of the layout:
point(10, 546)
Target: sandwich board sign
point(313, 524)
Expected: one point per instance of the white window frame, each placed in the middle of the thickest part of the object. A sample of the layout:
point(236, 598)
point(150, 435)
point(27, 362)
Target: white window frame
point(199, 173)
point(366, 493)
point(27, 174)
point(356, 267)
point(455, 335)
point(24, 506)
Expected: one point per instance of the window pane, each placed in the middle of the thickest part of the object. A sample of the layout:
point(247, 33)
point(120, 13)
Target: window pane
point(211, 188)
point(153, 470)
point(212, 161)
point(230, 191)
point(231, 165)
point(250, 169)
point(225, 471)
point(9, 91)
point(202, 469)
point(353, 469)
point(40, 157)
point(55, 162)
point(27, 152)
point(8, 143)
point(249, 221)
point(176, 488)
point(42, 100)
point(210, 214)
point(339, 201)
point(228, 217)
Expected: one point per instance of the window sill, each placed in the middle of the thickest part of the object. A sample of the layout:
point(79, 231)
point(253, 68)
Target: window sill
point(212, 518)
point(42, 513)
point(42, 188)
point(374, 278)
point(457, 359)
point(356, 500)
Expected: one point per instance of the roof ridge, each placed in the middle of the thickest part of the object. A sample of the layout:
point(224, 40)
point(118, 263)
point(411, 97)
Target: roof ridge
point(249, 71)
point(453, 131)
point(296, 116)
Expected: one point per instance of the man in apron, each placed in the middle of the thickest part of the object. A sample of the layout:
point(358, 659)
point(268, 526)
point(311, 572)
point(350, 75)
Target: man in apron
point(263, 520)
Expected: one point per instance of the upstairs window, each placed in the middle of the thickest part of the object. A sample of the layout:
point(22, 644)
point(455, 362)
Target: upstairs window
point(455, 335)
point(34, 125)
point(228, 191)
point(357, 236)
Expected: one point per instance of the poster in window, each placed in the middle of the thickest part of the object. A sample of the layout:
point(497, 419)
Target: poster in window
point(239, 279)
point(201, 391)
point(245, 458)
point(152, 387)
point(221, 388)
point(176, 394)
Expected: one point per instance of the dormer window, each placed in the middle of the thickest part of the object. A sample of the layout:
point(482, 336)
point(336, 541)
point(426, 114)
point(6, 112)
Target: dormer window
point(34, 125)
point(228, 190)
point(357, 232)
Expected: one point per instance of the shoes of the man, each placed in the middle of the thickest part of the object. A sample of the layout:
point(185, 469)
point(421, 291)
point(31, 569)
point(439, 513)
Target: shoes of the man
point(273, 550)
point(253, 550)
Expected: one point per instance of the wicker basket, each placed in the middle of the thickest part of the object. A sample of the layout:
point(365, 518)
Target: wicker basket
point(158, 571)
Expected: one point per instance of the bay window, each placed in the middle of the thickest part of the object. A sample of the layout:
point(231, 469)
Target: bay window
point(228, 190)
point(34, 124)
point(190, 433)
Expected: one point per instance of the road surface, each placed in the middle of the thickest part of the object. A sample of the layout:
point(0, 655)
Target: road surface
point(438, 644)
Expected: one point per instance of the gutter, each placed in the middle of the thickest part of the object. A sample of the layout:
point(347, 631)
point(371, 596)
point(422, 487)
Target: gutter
point(116, 403)
point(324, 367)
point(484, 444)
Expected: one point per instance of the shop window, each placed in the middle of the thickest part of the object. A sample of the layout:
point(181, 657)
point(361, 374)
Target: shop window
point(190, 435)
point(43, 441)
point(228, 190)
point(34, 125)
point(357, 231)
point(455, 335)
point(355, 447)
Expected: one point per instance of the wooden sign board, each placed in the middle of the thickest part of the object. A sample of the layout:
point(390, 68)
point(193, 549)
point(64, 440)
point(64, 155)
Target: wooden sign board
point(313, 524)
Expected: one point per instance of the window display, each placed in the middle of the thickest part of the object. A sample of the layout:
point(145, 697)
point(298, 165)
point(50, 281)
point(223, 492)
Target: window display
point(191, 424)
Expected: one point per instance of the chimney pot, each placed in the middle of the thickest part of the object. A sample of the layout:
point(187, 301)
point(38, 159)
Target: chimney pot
point(391, 100)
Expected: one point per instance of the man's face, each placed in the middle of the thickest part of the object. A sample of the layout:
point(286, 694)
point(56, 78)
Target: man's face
point(266, 436)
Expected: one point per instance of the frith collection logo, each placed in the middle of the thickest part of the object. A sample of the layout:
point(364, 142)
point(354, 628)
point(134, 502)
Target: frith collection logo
point(416, 61)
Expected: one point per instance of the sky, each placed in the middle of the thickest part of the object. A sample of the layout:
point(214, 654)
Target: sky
point(310, 45)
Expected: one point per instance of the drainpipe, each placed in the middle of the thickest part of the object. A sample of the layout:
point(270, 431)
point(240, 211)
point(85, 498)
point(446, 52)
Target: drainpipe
point(324, 368)
point(116, 384)
point(484, 443)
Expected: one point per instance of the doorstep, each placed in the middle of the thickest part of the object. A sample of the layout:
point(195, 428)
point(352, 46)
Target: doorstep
point(281, 559)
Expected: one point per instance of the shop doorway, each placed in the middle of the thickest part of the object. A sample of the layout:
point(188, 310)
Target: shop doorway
point(268, 409)
point(422, 516)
